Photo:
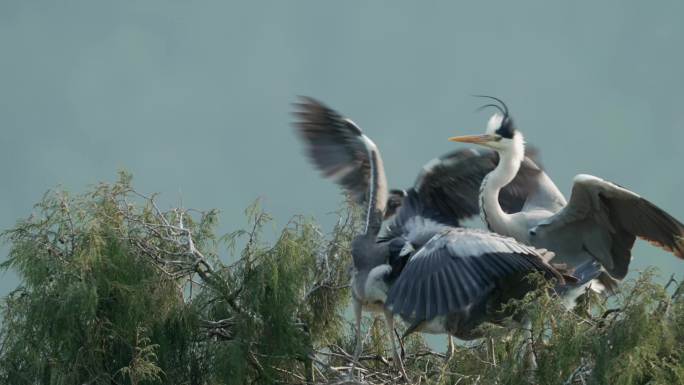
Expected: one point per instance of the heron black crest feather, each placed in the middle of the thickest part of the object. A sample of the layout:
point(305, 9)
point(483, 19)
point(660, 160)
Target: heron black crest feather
point(498, 107)
point(505, 107)
point(507, 128)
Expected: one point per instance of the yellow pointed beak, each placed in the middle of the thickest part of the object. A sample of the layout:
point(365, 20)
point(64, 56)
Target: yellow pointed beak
point(477, 139)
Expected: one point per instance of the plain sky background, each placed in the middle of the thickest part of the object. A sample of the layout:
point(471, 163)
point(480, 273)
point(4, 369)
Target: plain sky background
point(194, 97)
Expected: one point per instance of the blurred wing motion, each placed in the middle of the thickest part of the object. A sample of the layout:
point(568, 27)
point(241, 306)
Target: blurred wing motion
point(458, 270)
point(446, 190)
point(607, 218)
point(337, 147)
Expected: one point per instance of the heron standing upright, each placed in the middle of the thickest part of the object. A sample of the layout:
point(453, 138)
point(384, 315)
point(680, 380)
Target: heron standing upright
point(600, 222)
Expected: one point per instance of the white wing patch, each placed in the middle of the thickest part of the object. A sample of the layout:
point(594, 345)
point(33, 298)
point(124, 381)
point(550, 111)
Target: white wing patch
point(420, 229)
point(353, 124)
point(590, 180)
point(474, 243)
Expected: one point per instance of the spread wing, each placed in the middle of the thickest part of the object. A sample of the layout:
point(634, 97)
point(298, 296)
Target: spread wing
point(447, 191)
point(607, 219)
point(459, 267)
point(450, 185)
point(339, 149)
point(416, 222)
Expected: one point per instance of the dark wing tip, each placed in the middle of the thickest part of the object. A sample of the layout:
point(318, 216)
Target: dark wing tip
point(677, 249)
point(667, 232)
point(307, 107)
point(308, 100)
point(334, 145)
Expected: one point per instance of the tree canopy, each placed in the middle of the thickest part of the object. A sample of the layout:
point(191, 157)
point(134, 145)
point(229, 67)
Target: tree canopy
point(115, 290)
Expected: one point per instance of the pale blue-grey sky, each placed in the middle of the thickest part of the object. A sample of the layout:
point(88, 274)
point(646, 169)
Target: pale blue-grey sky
point(193, 97)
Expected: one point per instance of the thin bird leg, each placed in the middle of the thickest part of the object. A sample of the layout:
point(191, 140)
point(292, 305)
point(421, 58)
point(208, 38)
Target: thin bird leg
point(359, 340)
point(528, 347)
point(492, 351)
point(450, 347)
point(389, 318)
point(451, 350)
point(401, 344)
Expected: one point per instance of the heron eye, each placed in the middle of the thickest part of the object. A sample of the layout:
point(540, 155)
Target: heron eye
point(506, 130)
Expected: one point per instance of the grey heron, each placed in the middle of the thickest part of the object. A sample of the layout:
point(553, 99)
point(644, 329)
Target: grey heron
point(600, 222)
point(450, 285)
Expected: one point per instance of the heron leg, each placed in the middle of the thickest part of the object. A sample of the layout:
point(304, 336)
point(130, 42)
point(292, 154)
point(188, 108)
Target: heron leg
point(492, 350)
point(359, 339)
point(450, 347)
point(530, 358)
point(449, 354)
point(396, 359)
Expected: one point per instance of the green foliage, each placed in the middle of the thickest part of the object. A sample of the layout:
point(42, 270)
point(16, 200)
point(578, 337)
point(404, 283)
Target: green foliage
point(636, 341)
point(143, 364)
point(116, 291)
point(84, 296)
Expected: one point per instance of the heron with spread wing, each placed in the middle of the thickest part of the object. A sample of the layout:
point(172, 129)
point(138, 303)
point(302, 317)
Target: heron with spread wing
point(421, 266)
point(599, 224)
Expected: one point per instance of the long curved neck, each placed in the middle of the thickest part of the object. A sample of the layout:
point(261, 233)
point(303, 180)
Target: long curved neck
point(492, 214)
point(377, 191)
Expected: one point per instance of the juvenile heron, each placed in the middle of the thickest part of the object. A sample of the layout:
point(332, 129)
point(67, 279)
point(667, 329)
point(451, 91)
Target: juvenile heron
point(600, 222)
point(458, 274)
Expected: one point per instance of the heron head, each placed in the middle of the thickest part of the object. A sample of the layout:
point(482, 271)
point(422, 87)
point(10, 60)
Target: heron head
point(500, 134)
point(394, 201)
